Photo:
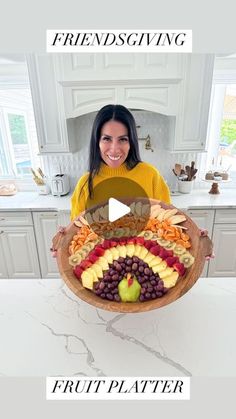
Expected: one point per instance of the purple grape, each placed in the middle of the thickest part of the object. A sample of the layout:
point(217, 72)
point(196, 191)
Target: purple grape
point(101, 285)
point(146, 277)
point(149, 288)
point(135, 259)
point(115, 277)
point(146, 271)
point(159, 294)
point(129, 262)
point(116, 297)
point(153, 295)
point(128, 269)
point(147, 295)
point(120, 260)
point(141, 298)
point(134, 266)
point(141, 269)
point(153, 282)
point(110, 296)
point(103, 295)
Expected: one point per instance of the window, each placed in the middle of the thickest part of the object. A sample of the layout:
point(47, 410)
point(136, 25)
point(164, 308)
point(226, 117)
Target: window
point(221, 137)
point(18, 137)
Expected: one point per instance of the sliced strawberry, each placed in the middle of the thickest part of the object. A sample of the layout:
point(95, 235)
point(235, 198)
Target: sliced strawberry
point(78, 271)
point(140, 240)
point(93, 257)
point(164, 254)
point(122, 241)
point(155, 250)
point(99, 251)
point(106, 244)
point(179, 267)
point(171, 260)
point(85, 264)
point(131, 240)
point(148, 244)
point(113, 243)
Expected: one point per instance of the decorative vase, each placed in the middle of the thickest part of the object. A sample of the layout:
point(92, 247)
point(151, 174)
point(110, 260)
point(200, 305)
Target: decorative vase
point(185, 186)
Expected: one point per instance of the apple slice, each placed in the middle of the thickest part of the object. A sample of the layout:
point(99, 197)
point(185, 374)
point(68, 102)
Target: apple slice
point(168, 271)
point(155, 261)
point(160, 267)
point(170, 281)
point(130, 248)
point(103, 263)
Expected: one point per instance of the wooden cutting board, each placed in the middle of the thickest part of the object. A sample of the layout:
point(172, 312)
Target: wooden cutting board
point(200, 248)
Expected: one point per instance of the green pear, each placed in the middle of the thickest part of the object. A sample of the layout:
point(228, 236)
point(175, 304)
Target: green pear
point(129, 289)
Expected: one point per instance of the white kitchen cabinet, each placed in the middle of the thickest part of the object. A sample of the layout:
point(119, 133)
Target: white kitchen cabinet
point(224, 239)
point(19, 252)
point(3, 265)
point(189, 129)
point(55, 134)
point(46, 226)
point(204, 220)
point(109, 66)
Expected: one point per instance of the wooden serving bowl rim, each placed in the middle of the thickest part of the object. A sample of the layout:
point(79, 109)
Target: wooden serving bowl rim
point(200, 248)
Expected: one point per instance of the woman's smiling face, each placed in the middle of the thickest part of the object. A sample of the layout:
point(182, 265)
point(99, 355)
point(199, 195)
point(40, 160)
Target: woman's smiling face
point(114, 143)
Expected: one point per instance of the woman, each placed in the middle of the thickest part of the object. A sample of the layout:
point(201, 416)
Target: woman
point(114, 154)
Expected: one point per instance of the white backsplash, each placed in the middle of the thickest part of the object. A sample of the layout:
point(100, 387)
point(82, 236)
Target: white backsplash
point(156, 125)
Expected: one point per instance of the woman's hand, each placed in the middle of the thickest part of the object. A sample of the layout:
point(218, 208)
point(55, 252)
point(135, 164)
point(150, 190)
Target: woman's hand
point(204, 233)
point(55, 241)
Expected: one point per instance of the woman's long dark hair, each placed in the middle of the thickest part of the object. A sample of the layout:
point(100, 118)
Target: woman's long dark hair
point(117, 113)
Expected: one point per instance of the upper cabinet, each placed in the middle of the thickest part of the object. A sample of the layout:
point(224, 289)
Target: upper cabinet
point(65, 86)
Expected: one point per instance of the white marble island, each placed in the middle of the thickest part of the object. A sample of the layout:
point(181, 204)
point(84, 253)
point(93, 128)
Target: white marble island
point(46, 330)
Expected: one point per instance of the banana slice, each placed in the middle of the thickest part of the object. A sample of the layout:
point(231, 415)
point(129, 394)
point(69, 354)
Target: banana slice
point(187, 259)
point(155, 211)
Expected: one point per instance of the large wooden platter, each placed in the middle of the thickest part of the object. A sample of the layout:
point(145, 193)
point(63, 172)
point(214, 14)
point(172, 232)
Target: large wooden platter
point(200, 248)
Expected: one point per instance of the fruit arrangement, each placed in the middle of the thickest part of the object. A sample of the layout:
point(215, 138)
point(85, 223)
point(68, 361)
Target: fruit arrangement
point(136, 258)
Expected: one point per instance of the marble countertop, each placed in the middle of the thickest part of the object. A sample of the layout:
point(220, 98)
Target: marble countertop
point(199, 198)
point(47, 330)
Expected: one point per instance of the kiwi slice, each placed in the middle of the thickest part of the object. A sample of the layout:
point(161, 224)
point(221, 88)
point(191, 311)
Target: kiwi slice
point(179, 250)
point(119, 232)
point(148, 234)
point(160, 241)
point(170, 246)
point(187, 259)
point(75, 259)
point(108, 234)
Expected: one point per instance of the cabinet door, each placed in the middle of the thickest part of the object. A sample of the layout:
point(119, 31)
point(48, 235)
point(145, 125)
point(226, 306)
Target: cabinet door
point(204, 220)
point(3, 266)
point(46, 226)
point(224, 239)
point(20, 252)
point(47, 97)
point(192, 119)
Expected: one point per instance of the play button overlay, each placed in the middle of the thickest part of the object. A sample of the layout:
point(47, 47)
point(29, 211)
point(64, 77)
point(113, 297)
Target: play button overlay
point(116, 209)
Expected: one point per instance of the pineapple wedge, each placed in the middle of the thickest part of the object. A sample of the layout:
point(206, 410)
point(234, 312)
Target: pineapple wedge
point(137, 249)
point(149, 257)
point(143, 252)
point(130, 248)
point(170, 281)
point(168, 271)
point(87, 278)
point(115, 253)
point(108, 255)
point(103, 263)
point(155, 261)
point(122, 250)
point(160, 267)
point(98, 269)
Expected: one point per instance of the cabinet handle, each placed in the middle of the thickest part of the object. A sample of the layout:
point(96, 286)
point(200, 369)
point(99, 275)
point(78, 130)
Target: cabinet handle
point(2, 219)
point(1, 232)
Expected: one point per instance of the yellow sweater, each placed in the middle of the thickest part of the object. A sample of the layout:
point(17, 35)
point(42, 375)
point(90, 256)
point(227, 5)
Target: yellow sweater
point(143, 174)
